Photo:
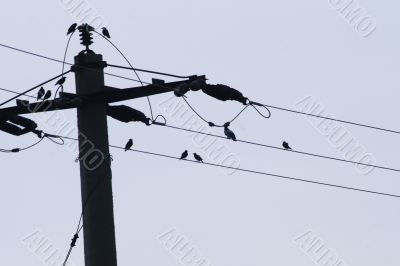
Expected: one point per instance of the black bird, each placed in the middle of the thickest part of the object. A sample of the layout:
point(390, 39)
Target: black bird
point(40, 93)
point(47, 95)
point(72, 28)
point(129, 145)
point(197, 157)
point(61, 81)
point(184, 155)
point(106, 33)
point(286, 145)
point(229, 133)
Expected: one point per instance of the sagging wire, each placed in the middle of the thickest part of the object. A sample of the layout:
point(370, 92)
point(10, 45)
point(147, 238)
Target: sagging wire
point(80, 222)
point(129, 63)
point(41, 135)
point(250, 103)
point(64, 61)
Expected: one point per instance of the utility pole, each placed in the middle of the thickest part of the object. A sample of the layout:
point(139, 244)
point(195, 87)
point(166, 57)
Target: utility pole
point(96, 186)
point(92, 101)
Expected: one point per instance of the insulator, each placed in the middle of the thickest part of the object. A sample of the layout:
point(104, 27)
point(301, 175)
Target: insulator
point(224, 93)
point(127, 114)
point(86, 34)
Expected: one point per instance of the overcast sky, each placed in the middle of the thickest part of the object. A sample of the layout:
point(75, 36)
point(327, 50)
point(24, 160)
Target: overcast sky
point(276, 52)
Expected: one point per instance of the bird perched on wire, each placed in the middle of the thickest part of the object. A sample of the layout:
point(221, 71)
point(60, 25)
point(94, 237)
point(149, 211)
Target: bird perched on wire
point(286, 145)
point(40, 93)
point(61, 81)
point(106, 33)
point(129, 145)
point(72, 29)
point(184, 155)
point(47, 95)
point(229, 133)
point(197, 157)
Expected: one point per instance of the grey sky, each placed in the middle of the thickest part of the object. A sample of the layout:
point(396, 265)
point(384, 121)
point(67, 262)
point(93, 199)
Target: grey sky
point(275, 52)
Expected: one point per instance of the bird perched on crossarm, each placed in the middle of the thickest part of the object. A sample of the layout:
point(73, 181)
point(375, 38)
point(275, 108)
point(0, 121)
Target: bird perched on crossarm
point(72, 28)
point(197, 157)
point(129, 145)
point(286, 145)
point(40, 93)
point(184, 155)
point(61, 81)
point(47, 95)
point(106, 33)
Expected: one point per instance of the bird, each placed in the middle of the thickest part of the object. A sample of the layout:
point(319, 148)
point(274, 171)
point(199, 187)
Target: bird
point(40, 93)
point(129, 145)
point(197, 157)
point(72, 28)
point(184, 155)
point(47, 95)
point(229, 133)
point(106, 33)
point(286, 145)
point(61, 81)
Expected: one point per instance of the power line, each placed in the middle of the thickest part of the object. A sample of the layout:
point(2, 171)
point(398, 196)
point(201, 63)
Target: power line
point(62, 62)
point(211, 124)
point(35, 87)
point(149, 71)
point(129, 63)
point(91, 69)
point(282, 149)
point(333, 119)
point(18, 93)
point(264, 145)
point(251, 171)
point(266, 105)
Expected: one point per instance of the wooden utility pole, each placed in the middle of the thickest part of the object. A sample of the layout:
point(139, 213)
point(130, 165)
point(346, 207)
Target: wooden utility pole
point(95, 169)
point(92, 101)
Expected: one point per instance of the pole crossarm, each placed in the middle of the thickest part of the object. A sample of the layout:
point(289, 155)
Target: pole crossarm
point(110, 95)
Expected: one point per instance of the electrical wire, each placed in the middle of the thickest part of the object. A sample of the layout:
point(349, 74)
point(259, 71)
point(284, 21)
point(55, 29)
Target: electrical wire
point(233, 119)
point(333, 119)
point(15, 150)
point(260, 144)
point(254, 171)
point(80, 222)
point(129, 63)
point(282, 149)
point(63, 63)
point(150, 71)
point(266, 105)
point(14, 92)
point(35, 87)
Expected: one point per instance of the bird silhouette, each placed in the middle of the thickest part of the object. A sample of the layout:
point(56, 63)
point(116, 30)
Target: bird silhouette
point(229, 133)
point(184, 155)
point(47, 95)
point(106, 33)
point(40, 93)
point(197, 157)
point(61, 81)
point(129, 145)
point(286, 145)
point(72, 28)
